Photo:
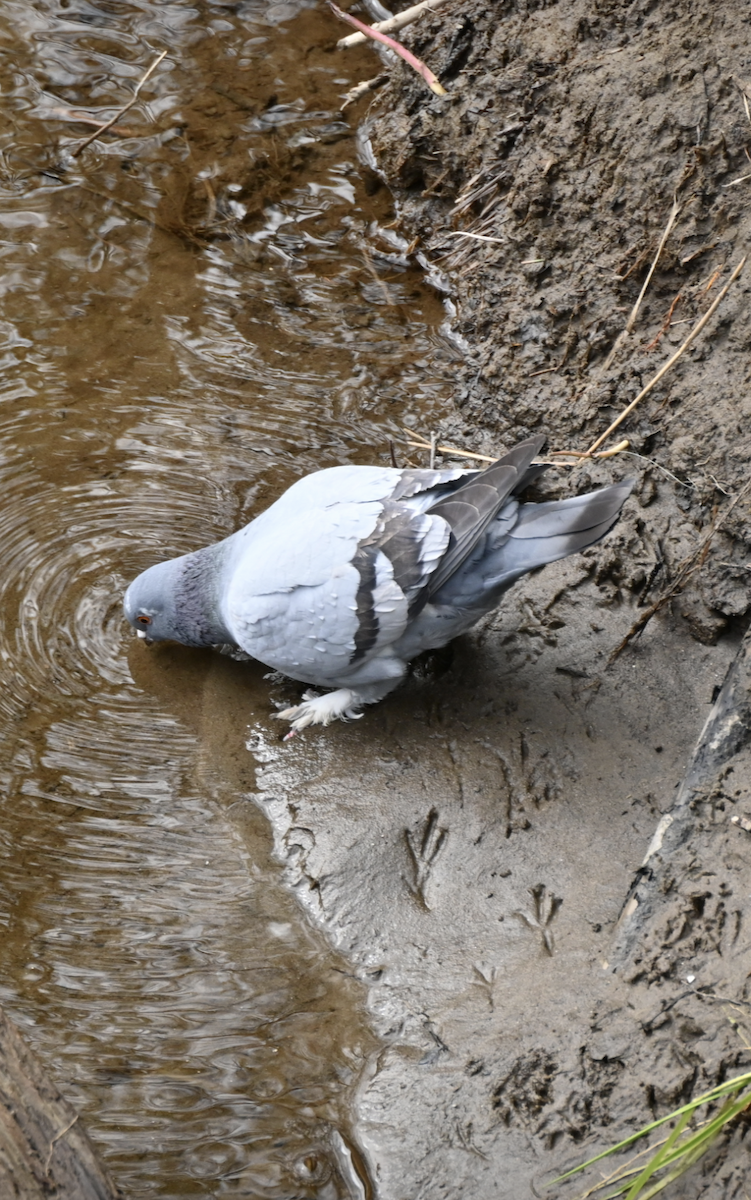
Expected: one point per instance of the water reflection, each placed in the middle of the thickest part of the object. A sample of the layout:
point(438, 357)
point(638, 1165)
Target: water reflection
point(192, 314)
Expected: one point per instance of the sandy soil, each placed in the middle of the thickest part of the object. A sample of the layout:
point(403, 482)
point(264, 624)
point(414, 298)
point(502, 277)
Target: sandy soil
point(547, 971)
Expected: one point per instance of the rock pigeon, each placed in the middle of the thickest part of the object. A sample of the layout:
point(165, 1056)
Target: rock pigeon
point(355, 570)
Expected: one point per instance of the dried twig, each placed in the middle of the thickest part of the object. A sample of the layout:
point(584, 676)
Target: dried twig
point(689, 565)
point(56, 1138)
point(480, 237)
point(635, 310)
point(108, 124)
point(671, 361)
point(490, 458)
point(398, 22)
point(413, 61)
point(361, 89)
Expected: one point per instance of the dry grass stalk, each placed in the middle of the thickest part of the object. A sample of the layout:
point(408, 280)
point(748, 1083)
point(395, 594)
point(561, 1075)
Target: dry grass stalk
point(742, 89)
point(671, 361)
point(624, 445)
point(666, 324)
point(635, 310)
point(469, 196)
point(587, 454)
point(398, 22)
point(544, 371)
point(381, 283)
point(480, 237)
point(422, 444)
point(734, 182)
point(55, 1139)
point(80, 118)
point(668, 228)
point(108, 124)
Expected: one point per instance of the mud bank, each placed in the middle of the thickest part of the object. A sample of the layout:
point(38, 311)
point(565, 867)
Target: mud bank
point(469, 847)
point(43, 1148)
point(567, 132)
point(477, 845)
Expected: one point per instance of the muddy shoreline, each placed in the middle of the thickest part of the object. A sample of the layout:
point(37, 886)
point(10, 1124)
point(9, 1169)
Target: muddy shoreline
point(566, 133)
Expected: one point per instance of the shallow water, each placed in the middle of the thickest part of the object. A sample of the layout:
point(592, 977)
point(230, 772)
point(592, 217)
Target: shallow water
point(193, 313)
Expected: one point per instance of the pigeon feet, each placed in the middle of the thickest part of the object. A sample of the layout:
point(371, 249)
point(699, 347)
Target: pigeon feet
point(321, 710)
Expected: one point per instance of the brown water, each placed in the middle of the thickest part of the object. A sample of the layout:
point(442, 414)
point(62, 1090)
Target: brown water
point(193, 314)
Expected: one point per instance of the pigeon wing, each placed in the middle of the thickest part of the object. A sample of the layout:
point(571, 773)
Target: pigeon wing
point(526, 536)
point(394, 563)
point(473, 506)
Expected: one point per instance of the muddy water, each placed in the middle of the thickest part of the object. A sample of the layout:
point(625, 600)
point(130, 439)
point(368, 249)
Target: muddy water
point(194, 312)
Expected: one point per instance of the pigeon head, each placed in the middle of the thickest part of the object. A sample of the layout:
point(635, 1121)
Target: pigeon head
point(176, 601)
point(149, 603)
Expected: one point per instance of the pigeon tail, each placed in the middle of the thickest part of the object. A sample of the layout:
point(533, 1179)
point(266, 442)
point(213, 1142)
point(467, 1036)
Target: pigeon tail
point(543, 533)
point(470, 510)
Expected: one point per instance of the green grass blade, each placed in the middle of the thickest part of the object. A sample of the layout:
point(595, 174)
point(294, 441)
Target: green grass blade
point(698, 1143)
point(695, 1147)
point(672, 1152)
point(722, 1089)
point(656, 1162)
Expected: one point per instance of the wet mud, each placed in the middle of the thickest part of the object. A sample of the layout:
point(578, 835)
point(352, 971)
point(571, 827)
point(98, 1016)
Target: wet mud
point(566, 134)
point(438, 951)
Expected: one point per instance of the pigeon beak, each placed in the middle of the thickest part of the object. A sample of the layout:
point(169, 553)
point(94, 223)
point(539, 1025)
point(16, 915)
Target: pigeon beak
point(141, 634)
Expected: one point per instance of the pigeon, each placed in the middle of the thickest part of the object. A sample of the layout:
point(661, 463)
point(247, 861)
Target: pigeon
point(355, 570)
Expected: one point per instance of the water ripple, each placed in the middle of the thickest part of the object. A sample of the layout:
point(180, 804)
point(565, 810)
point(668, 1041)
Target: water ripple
point(190, 318)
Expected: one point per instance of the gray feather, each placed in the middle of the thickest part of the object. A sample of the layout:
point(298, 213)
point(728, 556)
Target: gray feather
point(527, 536)
point(366, 634)
point(413, 481)
point(470, 510)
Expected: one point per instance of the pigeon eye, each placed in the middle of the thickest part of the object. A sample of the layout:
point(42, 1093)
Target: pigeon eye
point(143, 620)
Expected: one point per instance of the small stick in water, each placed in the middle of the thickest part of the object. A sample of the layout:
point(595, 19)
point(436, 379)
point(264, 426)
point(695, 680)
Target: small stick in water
point(108, 124)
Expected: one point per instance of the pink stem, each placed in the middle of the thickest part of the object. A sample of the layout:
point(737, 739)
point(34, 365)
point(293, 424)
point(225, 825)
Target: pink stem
point(397, 47)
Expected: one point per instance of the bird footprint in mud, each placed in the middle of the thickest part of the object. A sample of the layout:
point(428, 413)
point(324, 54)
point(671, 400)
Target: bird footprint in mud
point(545, 908)
point(424, 847)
